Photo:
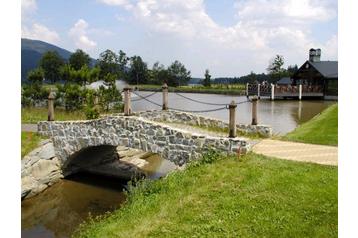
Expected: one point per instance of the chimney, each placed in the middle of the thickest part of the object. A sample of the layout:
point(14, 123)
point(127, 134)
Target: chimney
point(315, 55)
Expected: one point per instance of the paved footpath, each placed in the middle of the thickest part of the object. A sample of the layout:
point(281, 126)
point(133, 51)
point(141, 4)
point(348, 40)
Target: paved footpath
point(29, 127)
point(320, 154)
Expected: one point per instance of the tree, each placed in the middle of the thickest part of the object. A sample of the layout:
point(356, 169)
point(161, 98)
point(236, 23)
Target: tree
point(138, 72)
point(123, 62)
point(275, 69)
point(51, 63)
point(108, 64)
point(292, 69)
point(66, 72)
point(158, 74)
point(79, 59)
point(207, 80)
point(178, 74)
point(36, 75)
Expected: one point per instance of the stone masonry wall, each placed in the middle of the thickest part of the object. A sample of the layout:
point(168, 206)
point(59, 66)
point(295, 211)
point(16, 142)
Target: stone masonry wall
point(197, 120)
point(139, 133)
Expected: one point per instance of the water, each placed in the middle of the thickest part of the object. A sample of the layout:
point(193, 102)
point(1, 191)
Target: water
point(282, 115)
point(59, 210)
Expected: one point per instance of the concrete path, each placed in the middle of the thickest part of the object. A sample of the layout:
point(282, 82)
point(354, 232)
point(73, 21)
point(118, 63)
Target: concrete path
point(29, 127)
point(320, 154)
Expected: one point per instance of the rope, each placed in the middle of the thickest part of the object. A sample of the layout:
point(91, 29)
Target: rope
point(144, 97)
point(190, 111)
point(199, 111)
point(208, 103)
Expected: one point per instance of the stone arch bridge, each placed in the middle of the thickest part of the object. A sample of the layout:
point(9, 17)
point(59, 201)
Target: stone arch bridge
point(145, 131)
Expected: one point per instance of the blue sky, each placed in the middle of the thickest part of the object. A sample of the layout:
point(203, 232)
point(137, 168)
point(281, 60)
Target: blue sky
point(229, 37)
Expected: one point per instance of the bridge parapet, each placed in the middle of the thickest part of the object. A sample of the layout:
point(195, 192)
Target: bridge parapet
point(198, 120)
point(173, 144)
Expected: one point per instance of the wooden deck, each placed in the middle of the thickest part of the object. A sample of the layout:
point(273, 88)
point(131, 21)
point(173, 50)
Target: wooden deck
point(284, 91)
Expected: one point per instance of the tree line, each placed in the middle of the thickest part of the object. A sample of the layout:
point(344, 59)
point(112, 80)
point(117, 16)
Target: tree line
point(109, 66)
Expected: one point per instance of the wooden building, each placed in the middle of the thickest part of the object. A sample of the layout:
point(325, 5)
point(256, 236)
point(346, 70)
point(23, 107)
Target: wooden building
point(317, 73)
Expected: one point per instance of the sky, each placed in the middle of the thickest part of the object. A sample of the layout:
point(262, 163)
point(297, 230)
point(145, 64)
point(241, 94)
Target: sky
point(229, 37)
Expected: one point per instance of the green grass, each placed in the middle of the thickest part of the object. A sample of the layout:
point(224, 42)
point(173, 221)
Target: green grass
point(322, 129)
point(232, 89)
point(34, 115)
point(29, 142)
point(252, 197)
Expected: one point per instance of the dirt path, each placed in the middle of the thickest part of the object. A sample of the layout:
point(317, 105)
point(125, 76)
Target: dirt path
point(320, 154)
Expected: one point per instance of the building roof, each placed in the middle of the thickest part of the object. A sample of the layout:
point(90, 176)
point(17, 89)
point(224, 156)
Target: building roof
point(284, 80)
point(329, 69)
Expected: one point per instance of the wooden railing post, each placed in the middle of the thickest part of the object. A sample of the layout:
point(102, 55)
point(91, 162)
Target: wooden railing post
point(300, 91)
point(272, 91)
point(51, 110)
point(165, 96)
point(127, 101)
point(232, 119)
point(254, 111)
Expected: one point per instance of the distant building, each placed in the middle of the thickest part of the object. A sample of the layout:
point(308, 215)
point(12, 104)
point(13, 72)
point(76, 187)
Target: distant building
point(284, 81)
point(315, 72)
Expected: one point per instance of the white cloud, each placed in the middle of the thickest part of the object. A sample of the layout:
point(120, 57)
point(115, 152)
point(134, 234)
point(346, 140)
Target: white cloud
point(79, 35)
point(123, 3)
point(40, 32)
point(27, 7)
point(264, 27)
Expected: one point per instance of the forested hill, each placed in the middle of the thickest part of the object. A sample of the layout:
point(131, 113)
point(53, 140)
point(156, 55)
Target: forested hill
point(31, 52)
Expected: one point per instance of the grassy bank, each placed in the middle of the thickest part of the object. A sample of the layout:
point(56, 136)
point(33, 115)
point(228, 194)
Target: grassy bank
point(29, 142)
point(34, 115)
point(322, 129)
point(234, 89)
point(252, 197)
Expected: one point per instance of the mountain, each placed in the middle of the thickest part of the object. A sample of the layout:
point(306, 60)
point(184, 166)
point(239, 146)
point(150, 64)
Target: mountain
point(32, 51)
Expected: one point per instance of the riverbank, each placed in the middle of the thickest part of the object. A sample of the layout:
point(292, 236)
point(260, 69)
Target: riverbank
point(321, 129)
point(229, 197)
point(237, 90)
point(29, 142)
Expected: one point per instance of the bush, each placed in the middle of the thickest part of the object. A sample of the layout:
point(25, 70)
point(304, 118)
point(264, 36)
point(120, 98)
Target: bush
point(73, 96)
point(91, 110)
point(110, 97)
point(33, 94)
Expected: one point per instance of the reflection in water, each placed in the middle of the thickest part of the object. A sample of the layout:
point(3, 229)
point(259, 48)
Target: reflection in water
point(59, 210)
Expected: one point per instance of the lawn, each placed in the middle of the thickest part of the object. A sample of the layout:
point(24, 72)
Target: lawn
point(29, 142)
point(322, 129)
point(34, 115)
point(253, 196)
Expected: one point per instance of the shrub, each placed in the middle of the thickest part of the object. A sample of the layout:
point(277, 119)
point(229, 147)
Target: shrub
point(32, 94)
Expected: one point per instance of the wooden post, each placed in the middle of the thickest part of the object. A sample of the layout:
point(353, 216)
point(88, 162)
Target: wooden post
point(165, 96)
point(232, 119)
point(258, 90)
point(272, 91)
point(247, 89)
point(51, 110)
point(300, 91)
point(127, 101)
point(254, 111)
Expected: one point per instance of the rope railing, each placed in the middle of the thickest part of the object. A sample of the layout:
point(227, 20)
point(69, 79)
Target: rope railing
point(147, 96)
point(182, 110)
